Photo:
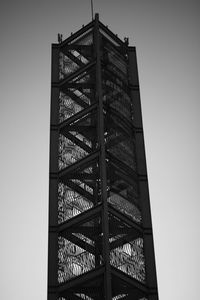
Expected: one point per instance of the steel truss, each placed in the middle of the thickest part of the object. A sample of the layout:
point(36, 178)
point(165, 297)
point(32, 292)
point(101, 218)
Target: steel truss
point(100, 234)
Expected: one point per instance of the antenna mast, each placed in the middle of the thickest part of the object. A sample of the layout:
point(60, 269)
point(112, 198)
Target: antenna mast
point(92, 10)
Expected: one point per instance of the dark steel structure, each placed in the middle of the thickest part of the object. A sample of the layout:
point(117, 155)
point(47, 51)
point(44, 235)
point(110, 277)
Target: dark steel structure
point(100, 232)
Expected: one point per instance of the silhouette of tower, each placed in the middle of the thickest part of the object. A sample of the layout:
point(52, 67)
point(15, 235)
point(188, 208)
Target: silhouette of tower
point(100, 232)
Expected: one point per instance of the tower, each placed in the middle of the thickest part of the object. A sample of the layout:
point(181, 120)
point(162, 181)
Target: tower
point(100, 232)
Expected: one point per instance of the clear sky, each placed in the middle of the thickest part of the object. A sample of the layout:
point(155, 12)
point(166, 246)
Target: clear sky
point(167, 39)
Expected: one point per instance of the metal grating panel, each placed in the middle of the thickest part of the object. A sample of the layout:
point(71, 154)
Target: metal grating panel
point(129, 258)
point(125, 207)
point(70, 203)
point(126, 248)
point(66, 66)
point(80, 250)
point(73, 259)
point(69, 152)
point(67, 107)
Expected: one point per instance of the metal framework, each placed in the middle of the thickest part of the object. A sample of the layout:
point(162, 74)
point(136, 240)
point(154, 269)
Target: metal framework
point(100, 233)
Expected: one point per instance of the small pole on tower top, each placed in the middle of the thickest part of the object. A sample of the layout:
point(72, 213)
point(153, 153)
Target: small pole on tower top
point(92, 11)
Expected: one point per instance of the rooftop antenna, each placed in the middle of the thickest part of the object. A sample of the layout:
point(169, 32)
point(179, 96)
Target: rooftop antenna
point(60, 38)
point(92, 10)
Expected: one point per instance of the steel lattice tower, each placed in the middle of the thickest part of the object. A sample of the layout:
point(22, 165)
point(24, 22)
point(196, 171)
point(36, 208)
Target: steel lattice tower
point(100, 232)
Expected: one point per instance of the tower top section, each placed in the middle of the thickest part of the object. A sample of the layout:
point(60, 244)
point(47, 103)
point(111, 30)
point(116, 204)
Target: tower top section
point(86, 31)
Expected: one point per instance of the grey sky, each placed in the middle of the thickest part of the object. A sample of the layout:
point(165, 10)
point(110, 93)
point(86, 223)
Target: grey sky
point(166, 36)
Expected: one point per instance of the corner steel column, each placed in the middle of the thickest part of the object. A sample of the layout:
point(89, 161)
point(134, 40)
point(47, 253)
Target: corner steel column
point(103, 177)
point(53, 183)
point(151, 280)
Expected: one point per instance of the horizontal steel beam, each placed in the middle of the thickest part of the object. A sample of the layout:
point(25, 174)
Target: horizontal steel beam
point(125, 239)
point(85, 230)
point(130, 281)
point(76, 35)
point(74, 75)
point(81, 176)
point(112, 35)
point(78, 116)
point(75, 59)
point(81, 219)
point(79, 242)
point(124, 219)
point(125, 169)
point(80, 280)
point(75, 98)
point(76, 141)
point(81, 164)
point(79, 190)
point(79, 85)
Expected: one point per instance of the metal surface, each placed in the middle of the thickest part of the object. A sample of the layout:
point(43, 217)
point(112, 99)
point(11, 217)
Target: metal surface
point(100, 234)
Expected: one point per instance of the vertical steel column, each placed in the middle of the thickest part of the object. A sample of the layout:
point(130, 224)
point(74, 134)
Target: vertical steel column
point(53, 183)
point(142, 174)
point(103, 177)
